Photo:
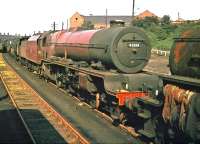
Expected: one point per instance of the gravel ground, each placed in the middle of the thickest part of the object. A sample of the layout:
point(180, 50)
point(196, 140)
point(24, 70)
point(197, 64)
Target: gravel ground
point(158, 64)
point(96, 129)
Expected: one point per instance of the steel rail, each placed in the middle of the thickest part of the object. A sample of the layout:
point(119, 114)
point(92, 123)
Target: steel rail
point(24, 97)
point(17, 108)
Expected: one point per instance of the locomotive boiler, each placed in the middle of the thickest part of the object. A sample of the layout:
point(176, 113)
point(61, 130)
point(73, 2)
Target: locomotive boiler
point(126, 49)
point(184, 57)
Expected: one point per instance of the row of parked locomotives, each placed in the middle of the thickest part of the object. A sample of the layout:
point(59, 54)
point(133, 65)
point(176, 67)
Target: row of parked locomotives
point(105, 69)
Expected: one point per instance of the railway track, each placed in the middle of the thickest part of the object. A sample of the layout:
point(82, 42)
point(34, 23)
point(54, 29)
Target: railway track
point(42, 122)
point(95, 127)
point(12, 129)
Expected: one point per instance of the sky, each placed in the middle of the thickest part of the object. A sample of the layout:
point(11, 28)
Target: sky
point(26, 16)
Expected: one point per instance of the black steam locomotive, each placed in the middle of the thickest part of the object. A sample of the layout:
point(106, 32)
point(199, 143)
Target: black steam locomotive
point(104, 68)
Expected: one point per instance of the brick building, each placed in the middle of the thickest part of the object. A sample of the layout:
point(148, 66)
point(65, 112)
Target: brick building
point(77, 20)
point(146, 13)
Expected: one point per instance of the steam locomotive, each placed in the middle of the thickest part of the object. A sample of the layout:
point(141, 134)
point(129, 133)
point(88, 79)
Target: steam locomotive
point(102, 67)
point(105, 68)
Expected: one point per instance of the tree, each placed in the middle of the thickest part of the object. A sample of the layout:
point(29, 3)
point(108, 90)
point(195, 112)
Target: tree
point(87, 25)
point(146, 22)
point(165, 20)
point(151, 20)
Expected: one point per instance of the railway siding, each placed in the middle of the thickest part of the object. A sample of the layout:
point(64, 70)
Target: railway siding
point(42, 122)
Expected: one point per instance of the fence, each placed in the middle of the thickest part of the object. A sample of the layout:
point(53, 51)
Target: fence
point(160, 52)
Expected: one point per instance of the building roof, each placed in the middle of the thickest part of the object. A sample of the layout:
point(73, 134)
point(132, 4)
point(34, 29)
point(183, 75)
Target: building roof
point(146, 13)
point(180, 19)
point(102, 19)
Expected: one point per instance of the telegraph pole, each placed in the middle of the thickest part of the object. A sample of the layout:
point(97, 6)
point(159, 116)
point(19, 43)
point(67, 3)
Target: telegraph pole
point(178, 15)
point(62, 25)
point(67, 24)
point(133, 13)
point(54, 26)
point(106, 17)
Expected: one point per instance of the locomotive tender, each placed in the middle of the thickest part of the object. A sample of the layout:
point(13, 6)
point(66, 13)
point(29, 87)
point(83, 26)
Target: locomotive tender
point(103, 67)
point(181, 109)
point(185, 54)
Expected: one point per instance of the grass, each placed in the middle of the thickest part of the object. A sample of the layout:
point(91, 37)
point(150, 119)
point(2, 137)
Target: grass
point(162, 36)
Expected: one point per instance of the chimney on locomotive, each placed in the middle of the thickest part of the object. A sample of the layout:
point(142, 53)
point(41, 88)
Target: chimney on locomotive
point(117, 23)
